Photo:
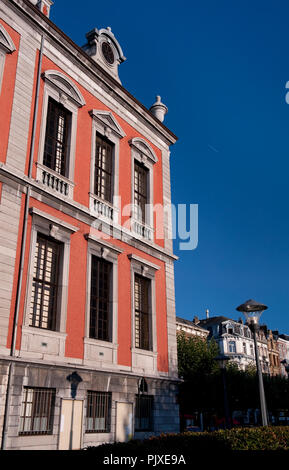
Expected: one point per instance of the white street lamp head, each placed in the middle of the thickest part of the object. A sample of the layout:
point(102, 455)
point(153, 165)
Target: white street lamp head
point(252, 311)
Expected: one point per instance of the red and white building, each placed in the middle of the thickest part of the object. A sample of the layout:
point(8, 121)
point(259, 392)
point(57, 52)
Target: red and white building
point(87, 310)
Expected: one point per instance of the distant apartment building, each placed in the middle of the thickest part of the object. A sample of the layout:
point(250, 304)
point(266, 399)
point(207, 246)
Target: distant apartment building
point(235, 340)
point(273, 351)
point(283, 349)
point(191, 329)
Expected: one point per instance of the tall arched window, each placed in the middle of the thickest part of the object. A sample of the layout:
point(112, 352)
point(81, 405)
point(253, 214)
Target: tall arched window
point(62, 99)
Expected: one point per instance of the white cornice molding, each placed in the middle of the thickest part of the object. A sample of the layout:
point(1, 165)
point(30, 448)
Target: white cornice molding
point(101, 241)
point(143, 261)
point(65, 85)
point(107, 119)
point(141, 146)
point(45, 215)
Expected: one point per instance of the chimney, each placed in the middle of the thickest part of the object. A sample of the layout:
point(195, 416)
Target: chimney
point(158, 109)
point(196, 320)
point(207, 314)
point(43, 6)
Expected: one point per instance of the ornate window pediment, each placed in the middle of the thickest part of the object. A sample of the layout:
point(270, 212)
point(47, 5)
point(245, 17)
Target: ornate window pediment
point(67, 89)
point(6, 42)
point(143, 148)
point(108, 121)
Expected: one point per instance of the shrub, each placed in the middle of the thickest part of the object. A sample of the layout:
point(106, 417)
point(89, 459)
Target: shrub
point(237, 439)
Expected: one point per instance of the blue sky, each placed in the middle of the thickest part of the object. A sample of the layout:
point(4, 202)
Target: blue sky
point(221, 68)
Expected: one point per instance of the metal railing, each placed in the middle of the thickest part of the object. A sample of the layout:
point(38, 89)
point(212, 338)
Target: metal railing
point(37, 411)
point(98, 412)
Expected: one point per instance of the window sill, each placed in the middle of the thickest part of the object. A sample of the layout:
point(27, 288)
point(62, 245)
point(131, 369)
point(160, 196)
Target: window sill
point(97, 432)
point(40, 341)
point(43, 332)
point(99, 351)
point(144, 352)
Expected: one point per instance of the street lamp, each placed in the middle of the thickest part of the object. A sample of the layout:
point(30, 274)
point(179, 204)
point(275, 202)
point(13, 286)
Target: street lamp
point(253, 311)
point(222, 361)
point(74, 380)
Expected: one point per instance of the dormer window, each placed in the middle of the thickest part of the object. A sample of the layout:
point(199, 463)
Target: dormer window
point(103, 47)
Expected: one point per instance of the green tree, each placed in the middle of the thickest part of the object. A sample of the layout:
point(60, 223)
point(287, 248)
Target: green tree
point(196, 356)
point(202, 389)
point(199, 370)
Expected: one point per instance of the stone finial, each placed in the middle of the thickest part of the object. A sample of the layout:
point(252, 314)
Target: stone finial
point(158, 109)
point(43, 5)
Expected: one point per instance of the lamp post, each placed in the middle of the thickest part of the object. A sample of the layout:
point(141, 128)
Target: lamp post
point(253, 311)
point(74, 380)
point(222, 361)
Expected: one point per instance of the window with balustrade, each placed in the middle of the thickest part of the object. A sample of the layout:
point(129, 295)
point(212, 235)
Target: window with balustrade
point(142, 168)
point(105, 153)
point(58, 131)
point(140, 191)
point(56, 149)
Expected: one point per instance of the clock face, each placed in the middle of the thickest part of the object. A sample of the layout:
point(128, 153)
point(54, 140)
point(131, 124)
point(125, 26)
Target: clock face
point(107, 52)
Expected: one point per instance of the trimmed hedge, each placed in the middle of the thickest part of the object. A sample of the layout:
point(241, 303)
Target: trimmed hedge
point(237, 439)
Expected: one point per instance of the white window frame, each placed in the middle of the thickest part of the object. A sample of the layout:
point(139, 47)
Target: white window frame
point(144, 154)
point(44, 223)
point(6, 47)
point(2, 65)
point(105, 125)
point(93, 348)
point(62, 90)
point(234, 346)
point(148, 270)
